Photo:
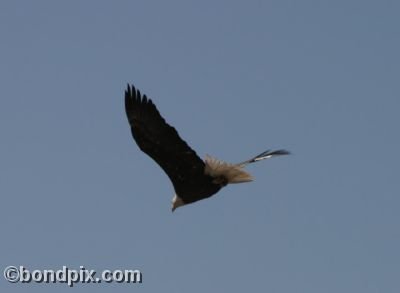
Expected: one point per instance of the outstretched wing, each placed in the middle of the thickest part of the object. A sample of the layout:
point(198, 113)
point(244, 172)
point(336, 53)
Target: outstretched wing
point(161, 141)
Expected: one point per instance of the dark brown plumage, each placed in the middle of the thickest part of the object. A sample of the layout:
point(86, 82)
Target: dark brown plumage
point(163, 144)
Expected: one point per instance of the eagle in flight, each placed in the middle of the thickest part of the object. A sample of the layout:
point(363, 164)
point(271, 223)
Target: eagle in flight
point(193, 179)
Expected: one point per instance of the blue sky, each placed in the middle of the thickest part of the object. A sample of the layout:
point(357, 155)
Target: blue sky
point(319, 78)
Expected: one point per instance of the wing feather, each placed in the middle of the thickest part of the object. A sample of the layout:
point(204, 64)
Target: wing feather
point(161, 142)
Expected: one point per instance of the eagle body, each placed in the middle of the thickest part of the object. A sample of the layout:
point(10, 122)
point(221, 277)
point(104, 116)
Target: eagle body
point(193, 179)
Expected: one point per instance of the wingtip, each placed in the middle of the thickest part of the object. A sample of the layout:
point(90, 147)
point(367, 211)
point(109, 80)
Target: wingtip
point(132, 93)
point(283, 152)
point(133, 97)
point(127, 90)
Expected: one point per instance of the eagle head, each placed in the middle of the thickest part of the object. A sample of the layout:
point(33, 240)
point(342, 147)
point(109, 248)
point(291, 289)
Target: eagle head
point(177, 202)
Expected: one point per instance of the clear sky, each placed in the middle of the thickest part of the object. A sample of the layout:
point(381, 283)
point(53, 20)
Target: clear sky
point(319, 78)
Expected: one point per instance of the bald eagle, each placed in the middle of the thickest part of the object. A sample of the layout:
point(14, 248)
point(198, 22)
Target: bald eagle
point(193, 179)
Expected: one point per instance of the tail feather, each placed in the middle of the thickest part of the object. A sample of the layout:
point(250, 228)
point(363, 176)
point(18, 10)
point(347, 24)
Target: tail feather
point(264, 155)
point(234, 173)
